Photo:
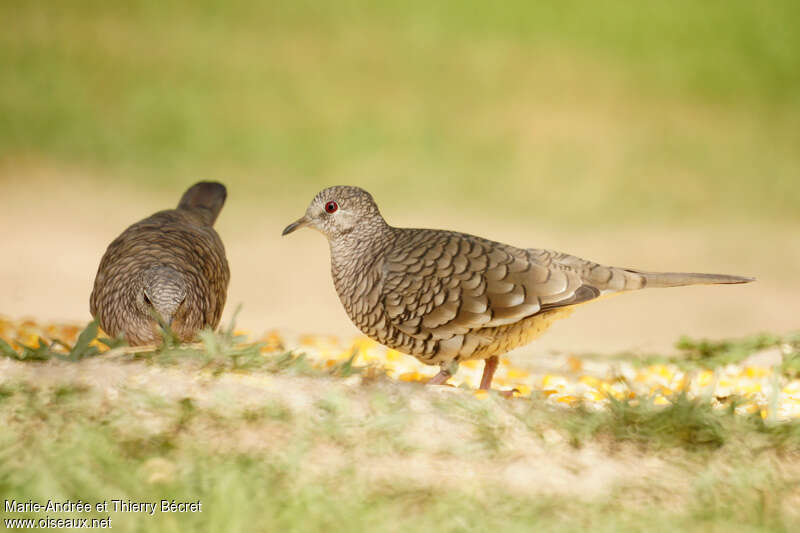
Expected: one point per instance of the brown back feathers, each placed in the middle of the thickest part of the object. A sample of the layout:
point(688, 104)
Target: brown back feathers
point(169, 268)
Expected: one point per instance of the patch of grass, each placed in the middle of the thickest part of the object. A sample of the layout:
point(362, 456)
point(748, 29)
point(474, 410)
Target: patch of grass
point(69, 392)
point(791, 357)
point(488, 429)
point(686, 423)
point(711, 354)
point(218, 352)
point(46, 349)
point(276, 492)
point(6, 391)
point(270, 411)
point(746, 496)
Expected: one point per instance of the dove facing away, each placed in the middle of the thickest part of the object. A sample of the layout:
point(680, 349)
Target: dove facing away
point(168, 269)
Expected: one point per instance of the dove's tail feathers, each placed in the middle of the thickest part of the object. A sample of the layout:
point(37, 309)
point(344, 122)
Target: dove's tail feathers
point(679, 279)
point(205, 198)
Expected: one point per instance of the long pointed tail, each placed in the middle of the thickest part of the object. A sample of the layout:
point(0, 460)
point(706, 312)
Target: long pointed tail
point(679, 279)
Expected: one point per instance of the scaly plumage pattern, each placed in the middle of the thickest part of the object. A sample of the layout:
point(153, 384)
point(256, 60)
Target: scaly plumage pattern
point(170, 267)
point(443, 296)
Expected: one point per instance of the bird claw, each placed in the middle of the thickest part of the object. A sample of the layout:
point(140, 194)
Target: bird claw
point(503, 393)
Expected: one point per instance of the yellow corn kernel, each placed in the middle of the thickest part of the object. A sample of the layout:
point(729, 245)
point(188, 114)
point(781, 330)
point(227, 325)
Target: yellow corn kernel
point(516, 373)
point(591, 381)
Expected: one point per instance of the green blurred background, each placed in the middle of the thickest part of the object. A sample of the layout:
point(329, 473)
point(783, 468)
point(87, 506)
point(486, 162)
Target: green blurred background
point(656, 135)
point(614, 111)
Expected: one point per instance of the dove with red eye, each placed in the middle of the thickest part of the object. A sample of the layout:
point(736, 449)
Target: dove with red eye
point(446, 297)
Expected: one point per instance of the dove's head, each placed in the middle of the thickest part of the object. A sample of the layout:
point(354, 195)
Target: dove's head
point(341, 211)
point(163, 290)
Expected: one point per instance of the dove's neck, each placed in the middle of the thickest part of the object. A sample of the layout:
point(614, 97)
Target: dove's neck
point(356, 260)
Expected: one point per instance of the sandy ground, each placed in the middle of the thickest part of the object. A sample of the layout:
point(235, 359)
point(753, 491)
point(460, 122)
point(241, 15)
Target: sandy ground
point(55, 231)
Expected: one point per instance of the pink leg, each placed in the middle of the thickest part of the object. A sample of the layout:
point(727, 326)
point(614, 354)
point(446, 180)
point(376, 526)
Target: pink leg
point(490, 365)
point(440, 378)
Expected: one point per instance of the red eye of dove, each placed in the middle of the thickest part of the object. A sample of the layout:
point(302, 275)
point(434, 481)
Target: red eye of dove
point(331, 207)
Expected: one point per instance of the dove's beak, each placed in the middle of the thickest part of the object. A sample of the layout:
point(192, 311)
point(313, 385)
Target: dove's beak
point(299, 223)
